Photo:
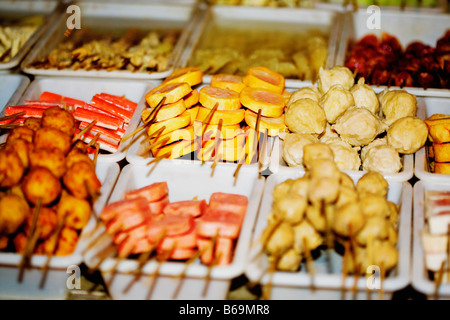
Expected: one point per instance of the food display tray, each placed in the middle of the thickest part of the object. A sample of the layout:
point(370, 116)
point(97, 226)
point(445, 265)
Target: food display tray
point(405, 26)
point(255, 18)
point(21, 9)
point(118, 16)
point(12, 86)
point(60, 267)
point(425, 108)
point(184, 182)
point(85, 88)
point(420, 279)
point(440, 7)
point(329, 286)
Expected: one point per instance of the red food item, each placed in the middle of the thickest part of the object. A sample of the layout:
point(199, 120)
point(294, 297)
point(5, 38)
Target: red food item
point(235, 203)
point(51, 96)
point(163, 225)
point(184, 240)
point(153, 192)
point(29, 111)
point(157, 207)
point(112, 109)
point(222, 253)
point(221, 223)
point(118, 101)
point(177, 253)
point(103, 120)
point(194, 208)
point(118, 208)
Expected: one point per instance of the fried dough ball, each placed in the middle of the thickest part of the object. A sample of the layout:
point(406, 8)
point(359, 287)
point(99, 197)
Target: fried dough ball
point(335, 102)
point(372, 182)
point(75, 211)
point(348, 219)
point(358, 126)
point(305, 232)
point(375, 205)
point(376, 228)
point(282, 189)
point(345, 156)
point(32, 123)
point(336, 75)
point(21, 132)
point(383, 158)
point(290, 209)
point(20, 242)
point(22, 148)
point(324, 168)
point(365, 97)
point(319, 216)
point(323, 190)
point(374, 143)
point(314, 151)
point(293, 147)
point(52, 159)
point(290, 260)
point(78, 156)
point(311, 92)
point(40, 183)
point(47, 222)
point(81, 180)
point(397, 104)
point(65, 245)
point(14, 210)
point(51, 138)
point(11, 168)
point(279, 240)
point(407, 135)
point(300, 186)
point(305, 116)
point(58, 118)
point(346, 195)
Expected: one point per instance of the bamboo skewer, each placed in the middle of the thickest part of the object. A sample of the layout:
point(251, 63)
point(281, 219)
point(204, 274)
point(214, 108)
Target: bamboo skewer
point(309, 263)
point(189, 262)
point(205, 125)
point(271, 270)
point(217, 147)
point(86, 129)
point(240, 163)
point(215, 259)
point(327, 236)
point(263, 151)
point(438, 280)
point(165, 256)
point(10, 126)
point(12, 116)
point(345, 267)
point(119, 259)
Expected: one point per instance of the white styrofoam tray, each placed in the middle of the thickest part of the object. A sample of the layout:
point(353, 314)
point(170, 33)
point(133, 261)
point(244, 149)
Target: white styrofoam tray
point(297, 285)
point(251, 18)
point(21, 9)
point(440, 7)
point(12, 86)
point(118, 16)
point(85, 88)
point(184, 182)
point(420, 280)
point(60, 268)
point(426, 107)
point(405, 26)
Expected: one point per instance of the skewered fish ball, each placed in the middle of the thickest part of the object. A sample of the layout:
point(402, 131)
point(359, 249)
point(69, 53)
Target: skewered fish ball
point(14, 211)
point(290, 260)
point(279, 240)
point(32, 123)
point(376, 227)
point(305, 116)
point(336, 75)
point(51, 138)
point(365, 96)
point(293, 147)
point(300, 186)
point(21, 132)
point(46, 222)
point(335, 102)
point(41, 184)
point(385, 255)
point(310, 92)
point(75, 211)
point(22, 148)
point(374, 205)
point(58, 118)
point(323, 168)
point(65, 243)
point(323, 190)
point(290, 209)
point(346, 195)
point(319, 216)
point(348, 219)
point(313, 152)
point(282, 189)
point(374, 183)
point(81, 180)
point(11, 168)
point(52, 159)
point(346, 181)
point(304, 232)
point(393, 212)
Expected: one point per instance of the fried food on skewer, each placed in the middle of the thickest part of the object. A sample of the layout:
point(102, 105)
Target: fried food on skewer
point(14, 211)
point(11, 168)
point(51, 138)
point(40, 183)
point(52, 159)
point(58, 118)
point(77, 211)
point(46, 222)
point(81, 180)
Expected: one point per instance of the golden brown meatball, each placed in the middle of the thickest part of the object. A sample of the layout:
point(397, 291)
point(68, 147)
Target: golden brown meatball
point(348, 219)
point(58, 118)
point(51, 138)
point(290, 209)
point(4, 240)
point(65, 243)
point(305, 233)
point(11, 168)
point(290, 261)
point(14, 210)
point(32, 123)
point(20, 242)
point(52, 159)
point(75, 211)
point(82, 181)
point(375, 228)
point(22, 148)
point(279, 240)
point(46, 223)
point(41, 184)
point(21, 132)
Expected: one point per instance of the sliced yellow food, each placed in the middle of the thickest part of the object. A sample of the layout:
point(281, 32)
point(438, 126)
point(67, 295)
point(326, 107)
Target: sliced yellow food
point(228, 117)
point(171, 91)
point(210, 130)
point(264, 78)
point(193, 113)
point(228, 150)
point(191, 99)
point(191, 75)
point(185, 134)
point(226, 99)
point(227, 81)
point(167, 111)
point(271, 103)
point(174, 150)
point(181, 121)
point(273, 125)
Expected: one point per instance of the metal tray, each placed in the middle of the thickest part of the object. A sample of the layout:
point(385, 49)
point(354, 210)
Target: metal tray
point(266, 18)
point(406, 26)
point(20, 9)
point(118, 16)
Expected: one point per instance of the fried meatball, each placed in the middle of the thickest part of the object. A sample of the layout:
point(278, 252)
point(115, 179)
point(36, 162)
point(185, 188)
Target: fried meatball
point(75, 211)
point(313, 152)
point(52, 159)
point(14, 211)
point(51, 138)
point(47, 222)
point(58, 118)
point(40, 183)
point(11, 168)
point(21, 132)
point(81, 180)
point(32, 123)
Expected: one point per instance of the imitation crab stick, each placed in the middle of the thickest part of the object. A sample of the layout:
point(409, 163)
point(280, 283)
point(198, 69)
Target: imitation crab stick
point(264, 78)
point(194, 208)
point(171, 91)
point(28, 111)
point(103, 120)
point(274, 126)
point(104, 144)
point(112, 109)
point(118, 101)
point(106, 134)
point(166, 111)
point(227, 81)
point(153, 192)
point(49, 96)
point(228, 117)
point(271, 104)
point(191, 75)
point(226, 99)
point(181, 121)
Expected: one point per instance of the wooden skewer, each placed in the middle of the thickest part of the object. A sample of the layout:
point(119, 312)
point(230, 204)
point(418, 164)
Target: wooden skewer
point(86, 129)
point(212, 264)
point(12, 116)
point(97, 151)
point(165, 256)
point(263, 151)
point(93, 141)
point(31, 240)
point(356, 279)
point(208, 118)
point(119, 259)
point(240, 163)
point(327, 236)
point(271, 270)
point(217, 147)
point(382, 275)
point(309, 263)
point(345, 268)
point(156, 133)
point(370, 253)
point(10, 126)
point(438, 280)
point(156, 144)
point(182, 275)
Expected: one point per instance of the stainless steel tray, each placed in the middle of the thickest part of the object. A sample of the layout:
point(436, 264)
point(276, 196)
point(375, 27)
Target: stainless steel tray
point(118, 16)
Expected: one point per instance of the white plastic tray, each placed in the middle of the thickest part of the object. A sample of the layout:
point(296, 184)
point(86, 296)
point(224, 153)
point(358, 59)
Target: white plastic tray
point(184, 182)
point(85, 88)
point(406, 26)
point(120, 16)
point(60, 268)
point(420, 279)
point(251, 17)
point(297, 285)
point(425, 108)
point(12, 86)
point(20, 9)
point(441, 7)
